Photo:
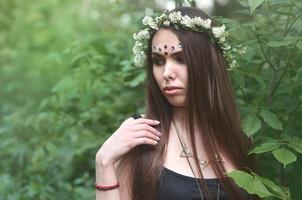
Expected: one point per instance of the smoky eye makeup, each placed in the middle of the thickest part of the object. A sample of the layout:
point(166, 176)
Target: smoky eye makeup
point(158, 60)
point(180, 59)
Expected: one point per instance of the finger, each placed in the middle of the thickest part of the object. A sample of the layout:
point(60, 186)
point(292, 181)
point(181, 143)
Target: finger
point(146, 127)
point(150, 122)
point(146, 134)
point(140, 141)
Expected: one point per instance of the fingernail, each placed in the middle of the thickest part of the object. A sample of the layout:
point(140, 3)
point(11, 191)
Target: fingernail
point(156, 122)
point(155, 142)
point(157, 138)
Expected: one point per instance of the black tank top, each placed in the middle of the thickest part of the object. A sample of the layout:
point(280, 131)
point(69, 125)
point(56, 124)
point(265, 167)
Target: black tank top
point(175, 186)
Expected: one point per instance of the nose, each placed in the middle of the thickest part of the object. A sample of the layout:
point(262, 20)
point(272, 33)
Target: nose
point(169, 72)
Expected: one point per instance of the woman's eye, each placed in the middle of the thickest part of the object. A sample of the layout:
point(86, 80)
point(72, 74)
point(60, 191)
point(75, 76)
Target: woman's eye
point(158, 62)
point(180, 59)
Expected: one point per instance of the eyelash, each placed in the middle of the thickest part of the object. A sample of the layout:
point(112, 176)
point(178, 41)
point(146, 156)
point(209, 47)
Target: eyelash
point(180, 59)
point(160, 61)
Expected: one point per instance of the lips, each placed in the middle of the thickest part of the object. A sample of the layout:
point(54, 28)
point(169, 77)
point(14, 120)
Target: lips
point(172, 89)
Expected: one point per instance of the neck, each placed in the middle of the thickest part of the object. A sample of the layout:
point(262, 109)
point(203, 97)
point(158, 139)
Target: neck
point(179, 115)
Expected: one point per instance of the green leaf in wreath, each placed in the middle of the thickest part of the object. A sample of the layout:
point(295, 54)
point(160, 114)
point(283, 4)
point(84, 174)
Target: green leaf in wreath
point(284, 156)
point(271, 119)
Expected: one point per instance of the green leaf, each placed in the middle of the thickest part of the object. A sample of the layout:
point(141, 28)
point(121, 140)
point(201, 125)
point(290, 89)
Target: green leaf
point(37, 156)
point(278, 191)
point(279, 43)
point(243, 3)
point(271, 119)
point(251, 125)
point(284, 156)
point(265, 147)
point(254, 4)
point(299, 45)
point(86, 100)
point(296, 144)
point(251, 184)
point(137, 80)
point(255, 76)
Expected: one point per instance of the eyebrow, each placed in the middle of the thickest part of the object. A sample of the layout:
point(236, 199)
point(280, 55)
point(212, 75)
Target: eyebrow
point(171, 54)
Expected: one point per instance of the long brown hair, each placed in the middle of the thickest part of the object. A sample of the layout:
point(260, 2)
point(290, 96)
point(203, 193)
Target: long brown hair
point(210, 105)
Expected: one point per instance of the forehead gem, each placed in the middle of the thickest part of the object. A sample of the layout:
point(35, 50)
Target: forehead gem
point(179, 45)
point(165, 47)
point(166, 53)
point(154, 48)
point(159, 49)
point(172, 48)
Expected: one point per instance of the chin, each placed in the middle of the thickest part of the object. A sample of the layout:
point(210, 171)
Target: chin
point(176, 102)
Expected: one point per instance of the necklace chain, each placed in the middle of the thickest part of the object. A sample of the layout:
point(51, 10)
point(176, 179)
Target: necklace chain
point(186, 153)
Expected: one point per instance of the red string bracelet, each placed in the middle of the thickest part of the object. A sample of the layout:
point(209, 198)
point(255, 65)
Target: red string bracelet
point(111, 187)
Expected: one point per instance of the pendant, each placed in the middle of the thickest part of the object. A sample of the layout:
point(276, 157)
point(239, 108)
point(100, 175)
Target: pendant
point(187, 153)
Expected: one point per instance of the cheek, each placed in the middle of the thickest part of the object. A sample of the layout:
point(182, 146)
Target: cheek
point(157, 75)
point(184, 75)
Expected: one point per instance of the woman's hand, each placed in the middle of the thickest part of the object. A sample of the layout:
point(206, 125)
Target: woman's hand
point(131, 133)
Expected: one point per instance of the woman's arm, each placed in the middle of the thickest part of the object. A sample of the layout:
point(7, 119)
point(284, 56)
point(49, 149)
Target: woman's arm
point(106, 176)
point(130, 134)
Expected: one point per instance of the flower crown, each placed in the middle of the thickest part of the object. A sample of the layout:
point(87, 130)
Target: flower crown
point(176, 19)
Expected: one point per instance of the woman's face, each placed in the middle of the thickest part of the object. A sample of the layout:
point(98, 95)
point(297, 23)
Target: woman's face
point(169, 68)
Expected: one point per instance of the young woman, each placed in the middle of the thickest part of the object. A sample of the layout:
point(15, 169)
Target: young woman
point(190, 135)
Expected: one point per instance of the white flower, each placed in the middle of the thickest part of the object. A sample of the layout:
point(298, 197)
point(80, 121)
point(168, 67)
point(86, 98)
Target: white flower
point(138, 47)
point(143, 34)
point(197, 20)
point(200, 22)
point(147, 20)
point(232, 65)
point(135, 36)
point(218, 31)
point(226, 47)
point(139, 59)
point(242, 50)
point(167, 23)
point(221, 40)
point(175, 16)
point(207, 23)
point(153, 25)
point(187, 21)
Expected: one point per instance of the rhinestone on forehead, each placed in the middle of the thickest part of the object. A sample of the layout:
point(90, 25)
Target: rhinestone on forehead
point(166, 49)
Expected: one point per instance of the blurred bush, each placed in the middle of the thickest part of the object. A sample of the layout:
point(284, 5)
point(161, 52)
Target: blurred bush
point(67, 81)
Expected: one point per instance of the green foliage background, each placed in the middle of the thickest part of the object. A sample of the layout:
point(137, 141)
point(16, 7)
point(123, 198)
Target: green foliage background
point(67, 81)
